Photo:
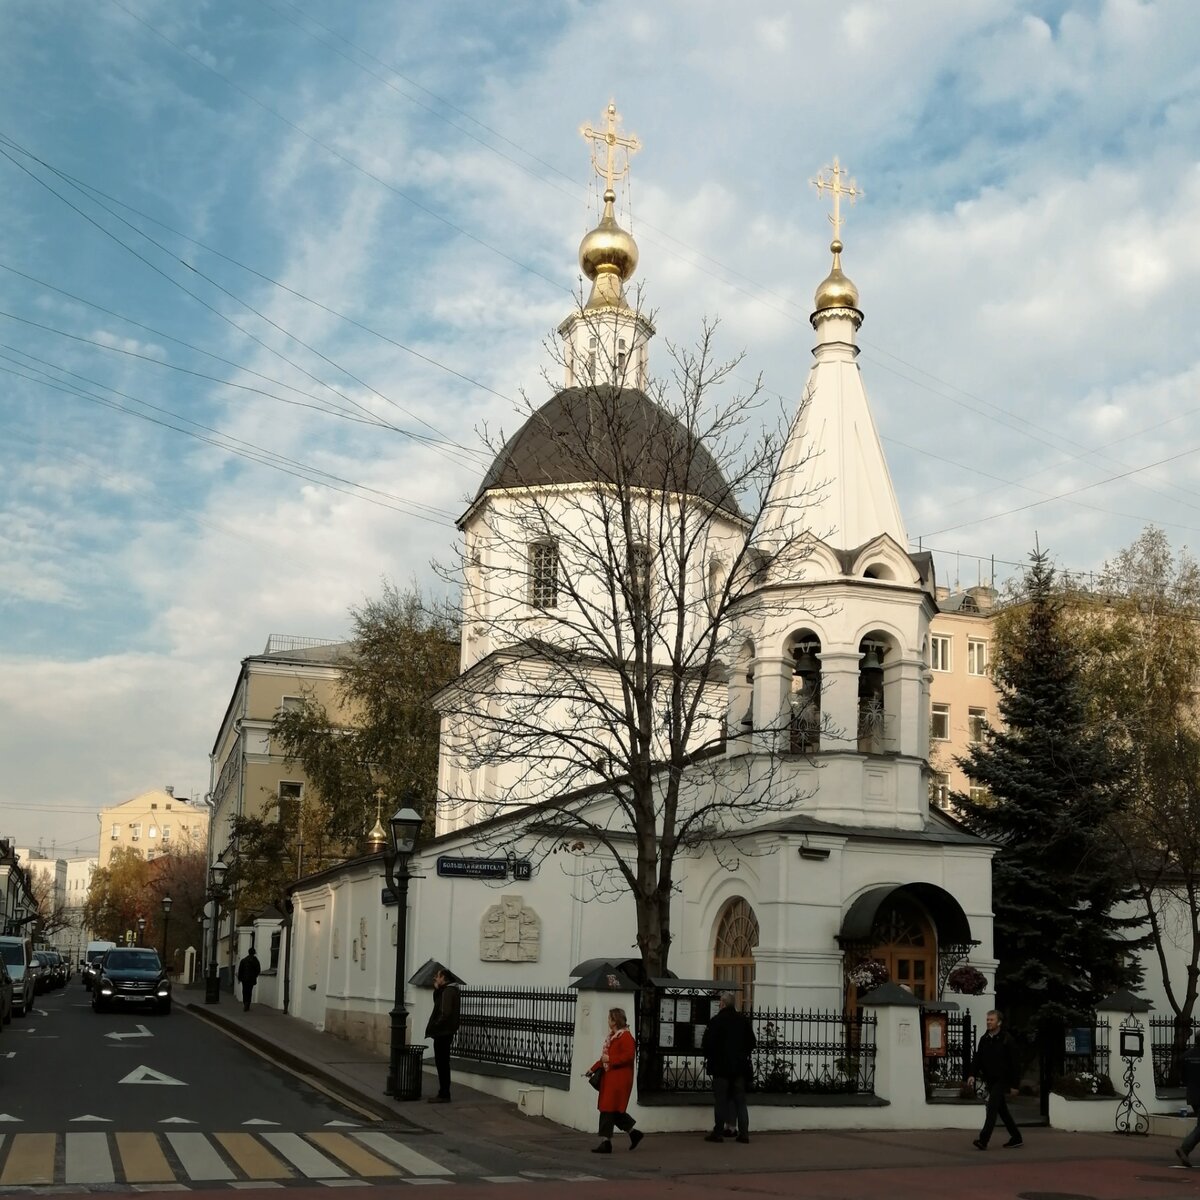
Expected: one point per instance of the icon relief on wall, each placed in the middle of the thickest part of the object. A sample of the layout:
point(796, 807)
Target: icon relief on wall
point(510, 932)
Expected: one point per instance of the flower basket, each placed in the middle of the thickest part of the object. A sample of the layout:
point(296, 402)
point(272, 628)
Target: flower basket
point(868, 974)
point(967, 981)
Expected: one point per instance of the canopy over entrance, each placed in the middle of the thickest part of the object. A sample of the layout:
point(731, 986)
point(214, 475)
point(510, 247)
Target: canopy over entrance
point(947, 915)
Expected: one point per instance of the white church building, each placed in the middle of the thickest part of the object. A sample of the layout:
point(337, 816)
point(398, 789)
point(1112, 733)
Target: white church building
point(814, 723)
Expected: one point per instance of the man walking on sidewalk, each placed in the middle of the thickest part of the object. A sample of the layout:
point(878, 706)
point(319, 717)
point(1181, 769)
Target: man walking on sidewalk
point(1191, 1079)
point(248, 972)
point(442, 1026)
point(995, 1062)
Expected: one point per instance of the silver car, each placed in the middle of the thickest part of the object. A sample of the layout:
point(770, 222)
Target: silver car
point(17, 953)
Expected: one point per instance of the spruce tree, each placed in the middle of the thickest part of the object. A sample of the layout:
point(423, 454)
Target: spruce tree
point(1051, 781)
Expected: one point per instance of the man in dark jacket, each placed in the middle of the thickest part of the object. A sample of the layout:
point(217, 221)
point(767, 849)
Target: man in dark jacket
point(1191, 1078)
point(995, 1062)
point(442, 1026)
point(727, 1045)
point(248, 972)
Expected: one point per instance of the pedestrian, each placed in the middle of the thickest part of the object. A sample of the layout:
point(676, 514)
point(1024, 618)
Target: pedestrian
point(248, 972)
point(995, 1062)
point(1191, 1078)
point(727, 1044)
point(616, 1083)
point(442, 1026)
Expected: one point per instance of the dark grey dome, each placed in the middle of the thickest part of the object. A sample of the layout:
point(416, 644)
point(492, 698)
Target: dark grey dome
point(607, 434)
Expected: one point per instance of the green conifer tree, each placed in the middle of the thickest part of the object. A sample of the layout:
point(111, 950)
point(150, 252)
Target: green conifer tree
point(1051, 780)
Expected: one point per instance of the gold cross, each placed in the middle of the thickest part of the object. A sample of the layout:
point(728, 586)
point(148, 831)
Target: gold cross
point(612, 142)
point(839, 184)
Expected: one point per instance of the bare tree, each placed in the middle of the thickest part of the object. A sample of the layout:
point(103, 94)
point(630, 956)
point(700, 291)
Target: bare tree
point(613, 586)
point(52, 910)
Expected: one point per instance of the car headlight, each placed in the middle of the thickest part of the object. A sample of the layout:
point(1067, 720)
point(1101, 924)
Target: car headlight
point(164, 988)
point(106, 987)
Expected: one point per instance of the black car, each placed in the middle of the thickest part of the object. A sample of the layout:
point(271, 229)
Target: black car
point(131, 976)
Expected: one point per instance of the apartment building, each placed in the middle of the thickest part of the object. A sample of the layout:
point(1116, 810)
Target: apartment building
point(962, 696)
point(153, 823)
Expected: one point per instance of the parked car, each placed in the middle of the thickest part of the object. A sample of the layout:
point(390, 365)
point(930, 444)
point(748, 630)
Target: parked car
point(58, 965)
point(43, 972)
point(92, 955)
point(6, 994)
point(17, 953)
point(131, 976)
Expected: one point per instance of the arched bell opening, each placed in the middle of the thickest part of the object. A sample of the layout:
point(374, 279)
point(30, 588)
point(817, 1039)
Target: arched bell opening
point(804, 693)
point(741, 692)
point(877, 702)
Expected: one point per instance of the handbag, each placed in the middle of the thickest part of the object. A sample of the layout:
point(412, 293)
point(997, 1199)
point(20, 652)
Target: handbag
point(594, 1077)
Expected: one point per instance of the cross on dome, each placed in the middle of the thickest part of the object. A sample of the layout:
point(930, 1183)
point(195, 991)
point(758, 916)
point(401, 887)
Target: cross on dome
point(833, 183)
point(836, 290)
point(612, 143)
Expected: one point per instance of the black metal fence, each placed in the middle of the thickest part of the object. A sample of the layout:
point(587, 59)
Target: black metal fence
point(532, 1028)
point(1169, 1038)
point(799, 1051)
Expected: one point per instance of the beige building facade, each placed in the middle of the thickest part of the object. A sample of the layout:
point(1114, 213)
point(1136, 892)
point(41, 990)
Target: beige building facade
point(961, 693)
point(153, 823)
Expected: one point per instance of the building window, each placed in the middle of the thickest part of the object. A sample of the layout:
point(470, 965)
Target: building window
point(979, 795)
point(291, 703)
point(543, 574)
point(939, 789)
point(591, 359)
point(939, 653)
point(639, 571)
point(622, 358)
point(977, 657)
point(116, 833)
point(733, 952)
point(152, 832)
point(939, 723)
point(135, 830)
point(290, 794)
point(976, 722)
point(166, 833)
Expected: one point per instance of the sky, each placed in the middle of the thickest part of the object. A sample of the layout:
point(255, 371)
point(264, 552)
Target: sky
point(272, 270)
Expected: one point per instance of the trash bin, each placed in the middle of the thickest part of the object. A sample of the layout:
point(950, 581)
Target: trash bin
point(408, 1072)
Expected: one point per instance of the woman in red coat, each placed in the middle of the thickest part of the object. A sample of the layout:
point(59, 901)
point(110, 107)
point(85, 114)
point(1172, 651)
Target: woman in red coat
point(616, 1084)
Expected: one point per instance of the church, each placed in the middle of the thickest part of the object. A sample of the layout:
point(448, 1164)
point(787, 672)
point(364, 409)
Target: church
point(695, 665)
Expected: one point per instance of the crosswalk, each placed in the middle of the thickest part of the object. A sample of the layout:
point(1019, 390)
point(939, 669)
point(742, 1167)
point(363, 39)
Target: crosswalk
point(234, 1159)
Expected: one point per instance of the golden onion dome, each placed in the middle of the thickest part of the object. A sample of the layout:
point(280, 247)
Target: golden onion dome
point(836, 290)
point(608, 249)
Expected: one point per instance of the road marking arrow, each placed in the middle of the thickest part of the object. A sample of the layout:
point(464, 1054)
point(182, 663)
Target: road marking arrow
point(259, 1121)
point(176, 1121)
point(8, 1117)
point(89, 1117)
point(10, 1054)
point(150, 1075)
point(120, 1037)
point(341, 1124)
point(41, 1012)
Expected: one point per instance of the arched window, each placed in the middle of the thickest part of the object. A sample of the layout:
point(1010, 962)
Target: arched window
point(733, 955)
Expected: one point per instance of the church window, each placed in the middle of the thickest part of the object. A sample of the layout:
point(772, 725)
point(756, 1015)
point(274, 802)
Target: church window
point(716, 585)
point(939, 789)
point(976, 657)
point(939, 653)
point(543, 574)
point(976, 721)
point(733, 954)
point(939, 723)
point(591, 359)
point(639, 571)
point(622, 357)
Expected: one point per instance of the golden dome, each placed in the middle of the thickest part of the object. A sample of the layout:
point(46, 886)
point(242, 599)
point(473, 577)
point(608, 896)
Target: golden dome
point(836, 290)
point(608, 256)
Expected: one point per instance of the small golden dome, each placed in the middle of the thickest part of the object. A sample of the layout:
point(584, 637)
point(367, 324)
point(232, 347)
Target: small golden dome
point(836, 291)
point(608, 249)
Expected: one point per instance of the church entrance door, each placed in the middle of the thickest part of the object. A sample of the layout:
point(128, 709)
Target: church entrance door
point(906, 943)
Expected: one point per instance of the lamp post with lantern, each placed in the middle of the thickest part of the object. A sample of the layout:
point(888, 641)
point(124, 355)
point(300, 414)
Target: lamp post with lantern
point(403, 827)
point(141, 928)
point(216, 893)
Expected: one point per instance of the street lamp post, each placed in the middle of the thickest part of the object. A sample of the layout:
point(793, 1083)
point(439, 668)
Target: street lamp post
point(402, 840)
point(166, 905)
point(141, 924)
point(216, 893)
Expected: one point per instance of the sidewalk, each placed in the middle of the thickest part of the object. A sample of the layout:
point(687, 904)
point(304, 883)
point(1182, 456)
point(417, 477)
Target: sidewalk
point(357, 1075)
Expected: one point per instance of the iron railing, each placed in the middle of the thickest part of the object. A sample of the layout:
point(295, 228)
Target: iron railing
point(533, 1028)
point(799, 1051)
point(1169, 1038)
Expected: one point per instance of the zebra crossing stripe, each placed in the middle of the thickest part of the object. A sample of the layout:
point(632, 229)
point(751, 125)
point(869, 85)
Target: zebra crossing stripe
point(88, 1160)
point(360, 1161)
point(402, 1155)
point(309, 1161)
point(142, 1158)
point(31, 1159)
point(255, 1160)
point(200, 1160)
